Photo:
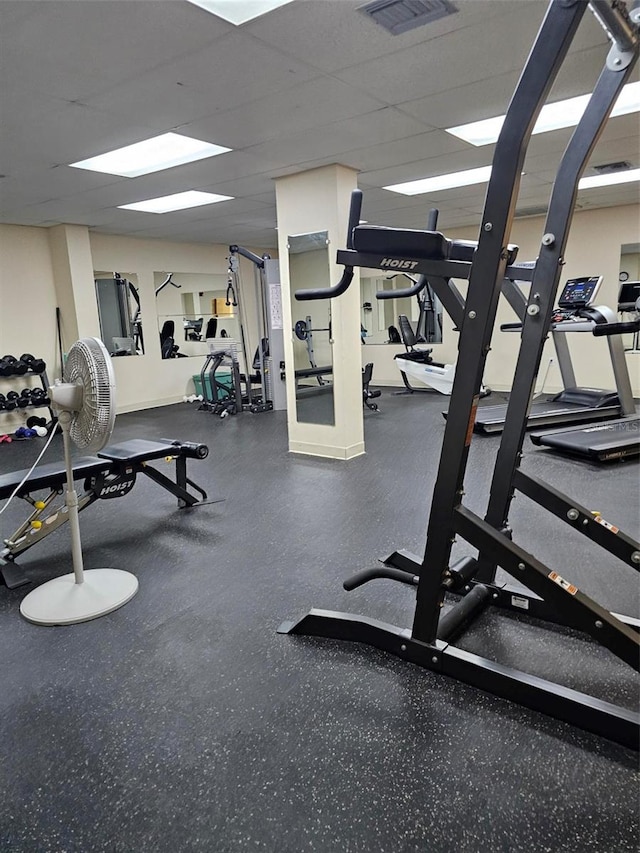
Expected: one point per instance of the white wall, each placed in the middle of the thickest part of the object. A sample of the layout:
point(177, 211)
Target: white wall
point(593, 249)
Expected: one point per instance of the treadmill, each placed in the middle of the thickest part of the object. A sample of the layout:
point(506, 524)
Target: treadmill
point(575, 405)
point(606, 440)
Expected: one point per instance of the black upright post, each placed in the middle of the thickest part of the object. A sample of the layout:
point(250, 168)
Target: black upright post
point(557, 31)
point(543, 291)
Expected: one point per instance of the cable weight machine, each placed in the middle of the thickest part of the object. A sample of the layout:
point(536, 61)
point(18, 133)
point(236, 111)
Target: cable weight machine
point(263, 390)
point(548, 596)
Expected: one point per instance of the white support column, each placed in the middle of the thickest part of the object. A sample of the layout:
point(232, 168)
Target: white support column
point(73, 275)
point(318, 200)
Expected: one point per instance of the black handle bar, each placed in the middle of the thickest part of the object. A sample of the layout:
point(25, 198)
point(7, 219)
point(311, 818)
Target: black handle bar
point(347, 276)
point(603, 329)
point(421, 283)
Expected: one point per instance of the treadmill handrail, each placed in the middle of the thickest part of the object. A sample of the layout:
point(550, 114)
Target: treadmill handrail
point(604, 329)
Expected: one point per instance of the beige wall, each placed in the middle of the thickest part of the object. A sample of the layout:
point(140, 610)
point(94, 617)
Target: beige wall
point(28, 300)
point(593, 249)
point(27, 294)
point(43, 268)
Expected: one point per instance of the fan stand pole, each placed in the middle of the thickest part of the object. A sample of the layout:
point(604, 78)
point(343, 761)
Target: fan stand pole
point(71, 500)
point(80, 596)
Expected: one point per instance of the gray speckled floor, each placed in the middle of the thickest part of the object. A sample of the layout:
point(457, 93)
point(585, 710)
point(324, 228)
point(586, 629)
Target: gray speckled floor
point(184, 722)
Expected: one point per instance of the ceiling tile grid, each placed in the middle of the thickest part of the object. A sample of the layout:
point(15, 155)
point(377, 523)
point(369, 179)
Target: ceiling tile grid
point(312, 83)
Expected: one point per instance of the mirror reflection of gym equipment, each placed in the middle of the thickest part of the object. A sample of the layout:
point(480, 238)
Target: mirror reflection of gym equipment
point(192, 308)
point(120, 314)
point(312, 334)
point(379, 319)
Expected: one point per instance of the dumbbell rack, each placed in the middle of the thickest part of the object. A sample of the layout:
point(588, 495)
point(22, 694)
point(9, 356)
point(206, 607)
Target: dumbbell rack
point(37, 405)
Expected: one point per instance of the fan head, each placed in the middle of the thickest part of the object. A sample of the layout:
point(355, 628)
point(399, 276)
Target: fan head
point(89, 367)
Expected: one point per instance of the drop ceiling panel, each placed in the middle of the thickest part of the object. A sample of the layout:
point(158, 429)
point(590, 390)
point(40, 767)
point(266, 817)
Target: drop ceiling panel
point(410, 149)
point(313, 104)
point(490, 96)
point(236, 70)
point(333, 35)
point(312, 83)
point(48, 184)
point(71, 133)
point(111, 41)
point(455, 59)
point(336, 139)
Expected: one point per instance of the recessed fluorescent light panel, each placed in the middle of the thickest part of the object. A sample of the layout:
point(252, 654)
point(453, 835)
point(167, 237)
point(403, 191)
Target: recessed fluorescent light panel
point(552, 117)
point(177, 201)
point(151, 155)
point(443, 182)
point(626, 177)
point(239, 11)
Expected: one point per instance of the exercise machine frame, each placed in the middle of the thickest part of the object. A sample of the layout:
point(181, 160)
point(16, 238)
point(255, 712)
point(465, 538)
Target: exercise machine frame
point(550, 597)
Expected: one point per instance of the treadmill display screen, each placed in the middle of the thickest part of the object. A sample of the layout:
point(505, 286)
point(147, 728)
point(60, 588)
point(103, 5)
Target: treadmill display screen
point(579, 292)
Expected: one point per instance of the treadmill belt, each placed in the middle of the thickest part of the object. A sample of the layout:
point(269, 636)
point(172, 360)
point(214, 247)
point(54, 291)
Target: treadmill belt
point(601, 442)
point(490, 419)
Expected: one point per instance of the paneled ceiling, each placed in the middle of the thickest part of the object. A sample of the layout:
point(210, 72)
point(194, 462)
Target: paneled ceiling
point(312, 83)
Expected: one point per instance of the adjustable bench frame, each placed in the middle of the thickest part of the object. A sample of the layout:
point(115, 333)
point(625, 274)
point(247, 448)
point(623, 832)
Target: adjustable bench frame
point(110, 474)
point(551, 597)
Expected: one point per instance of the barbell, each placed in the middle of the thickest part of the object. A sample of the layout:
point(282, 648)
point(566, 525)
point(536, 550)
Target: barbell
point(302, 330)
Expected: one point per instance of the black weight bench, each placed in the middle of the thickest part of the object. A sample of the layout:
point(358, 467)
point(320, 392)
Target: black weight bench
point(110, 474)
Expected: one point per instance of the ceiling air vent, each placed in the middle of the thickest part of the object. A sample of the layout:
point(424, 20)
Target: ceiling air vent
point(610, 168)
point(399, 16)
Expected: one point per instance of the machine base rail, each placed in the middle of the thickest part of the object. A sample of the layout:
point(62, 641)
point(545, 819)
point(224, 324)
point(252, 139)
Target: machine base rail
point(555, 700)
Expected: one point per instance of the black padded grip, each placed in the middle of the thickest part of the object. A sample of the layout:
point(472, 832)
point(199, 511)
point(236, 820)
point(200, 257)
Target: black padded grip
point(191, 449)
point(401, 243)
point(603, 329)
point(327, 292)
point(355, 208)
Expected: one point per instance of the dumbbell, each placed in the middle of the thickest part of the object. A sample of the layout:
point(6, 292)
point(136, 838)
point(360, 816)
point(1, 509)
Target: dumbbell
point(39, 397)
point(18, 399)
point(34, 422)
point(24, 398)
point(13, 367)
point(6, 367)
point(36, 365)
point(11, 401)
point(25, 432)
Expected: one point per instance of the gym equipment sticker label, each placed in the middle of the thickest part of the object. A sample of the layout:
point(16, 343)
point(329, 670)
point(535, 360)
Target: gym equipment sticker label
point(519, 601)
point(568, 587)
point(472, 421)
point(606, 524)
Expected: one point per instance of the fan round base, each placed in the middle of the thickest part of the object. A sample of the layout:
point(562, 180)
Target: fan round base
point(62, 601)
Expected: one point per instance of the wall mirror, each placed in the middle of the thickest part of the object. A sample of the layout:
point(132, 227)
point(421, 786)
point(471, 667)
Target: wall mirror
point(191, 308)
point(312, 334)
point(119, 312)
point(379, 317)
point(629, 291)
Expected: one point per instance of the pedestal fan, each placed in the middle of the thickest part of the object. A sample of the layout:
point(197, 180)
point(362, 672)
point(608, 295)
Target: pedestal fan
point(85, 405)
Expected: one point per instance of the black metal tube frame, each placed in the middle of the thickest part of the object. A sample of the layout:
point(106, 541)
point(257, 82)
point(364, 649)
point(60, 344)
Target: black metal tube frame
point(557, 597)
